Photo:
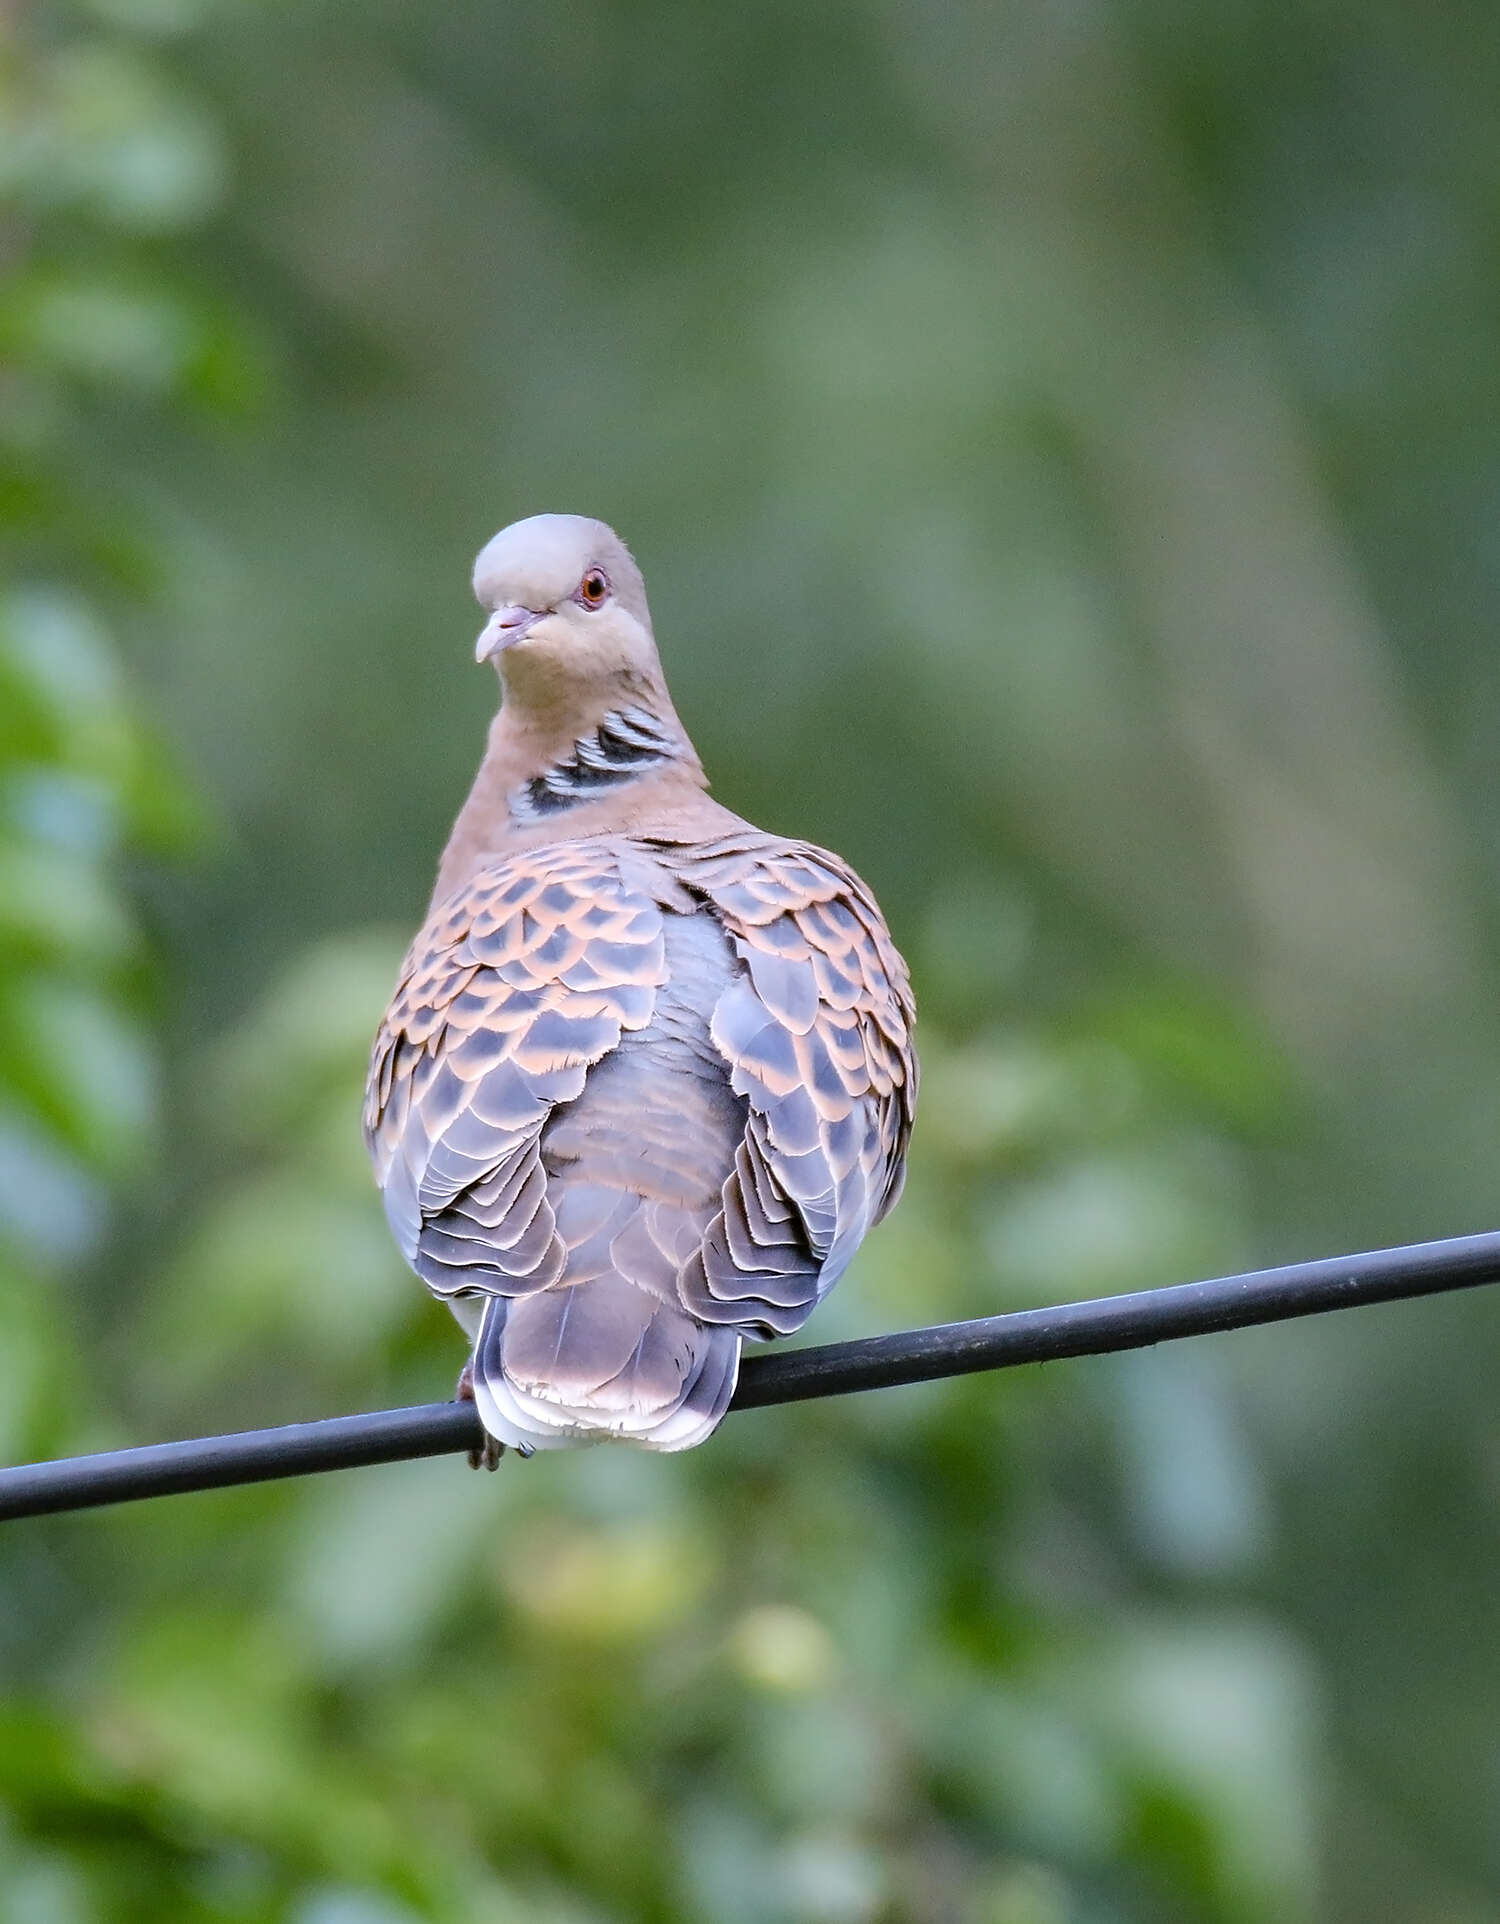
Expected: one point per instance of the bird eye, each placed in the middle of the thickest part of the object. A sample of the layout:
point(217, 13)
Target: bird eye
point(593, 590)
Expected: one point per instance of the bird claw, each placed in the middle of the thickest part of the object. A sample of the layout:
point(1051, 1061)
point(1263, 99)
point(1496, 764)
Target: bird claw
point(486, 1455)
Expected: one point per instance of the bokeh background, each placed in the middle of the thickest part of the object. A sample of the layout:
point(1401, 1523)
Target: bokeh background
point(1063, 443)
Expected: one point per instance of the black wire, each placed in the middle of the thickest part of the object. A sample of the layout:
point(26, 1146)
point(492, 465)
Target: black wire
point(784, 1376)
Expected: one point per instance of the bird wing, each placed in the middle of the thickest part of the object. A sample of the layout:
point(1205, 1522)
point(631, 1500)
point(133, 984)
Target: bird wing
point(817, 1033)
point(519, 982)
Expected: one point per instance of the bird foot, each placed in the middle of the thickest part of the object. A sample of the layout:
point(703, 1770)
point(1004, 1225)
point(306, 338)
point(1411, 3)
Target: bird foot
point(486, 1455)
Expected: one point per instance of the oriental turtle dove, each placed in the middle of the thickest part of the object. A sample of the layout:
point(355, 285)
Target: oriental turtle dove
point(647, 1077)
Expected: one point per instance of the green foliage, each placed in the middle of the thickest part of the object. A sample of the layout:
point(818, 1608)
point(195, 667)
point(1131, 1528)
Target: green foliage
point(82, 783)
point(1049, 436)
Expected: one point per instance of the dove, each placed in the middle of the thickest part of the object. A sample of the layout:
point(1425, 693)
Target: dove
point(648, 1075)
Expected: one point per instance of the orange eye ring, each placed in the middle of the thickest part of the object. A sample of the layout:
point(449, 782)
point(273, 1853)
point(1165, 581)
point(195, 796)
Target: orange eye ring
point(593, 590)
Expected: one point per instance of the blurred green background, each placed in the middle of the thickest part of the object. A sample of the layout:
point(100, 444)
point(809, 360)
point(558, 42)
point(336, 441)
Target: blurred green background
point(1063, 443)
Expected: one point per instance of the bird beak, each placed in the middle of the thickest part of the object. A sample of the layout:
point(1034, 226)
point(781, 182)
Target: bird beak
point(505, 627)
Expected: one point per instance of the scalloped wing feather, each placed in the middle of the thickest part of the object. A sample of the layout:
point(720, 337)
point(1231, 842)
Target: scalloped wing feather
point(817, 1034)
point(516, 986)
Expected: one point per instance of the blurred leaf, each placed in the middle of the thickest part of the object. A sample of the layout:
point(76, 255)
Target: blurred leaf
point(103, 331)
point(103, 129)
point(309, 1034)
point(611, 1586)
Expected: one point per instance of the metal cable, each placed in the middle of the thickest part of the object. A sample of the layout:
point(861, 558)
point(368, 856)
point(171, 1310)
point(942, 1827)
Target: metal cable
point(785, 1376)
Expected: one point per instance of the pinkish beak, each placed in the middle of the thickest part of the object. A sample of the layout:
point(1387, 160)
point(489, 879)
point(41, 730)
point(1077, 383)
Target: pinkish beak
point(505, 627)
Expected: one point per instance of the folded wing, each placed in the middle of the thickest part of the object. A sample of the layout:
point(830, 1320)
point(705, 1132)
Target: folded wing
point(518, 983)
point(817, 1036)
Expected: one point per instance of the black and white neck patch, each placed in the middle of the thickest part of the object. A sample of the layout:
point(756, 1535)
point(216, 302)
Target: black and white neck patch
point(627, 743)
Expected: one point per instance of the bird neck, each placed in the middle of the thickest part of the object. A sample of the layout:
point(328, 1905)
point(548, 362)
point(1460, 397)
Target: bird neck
point(621, 764)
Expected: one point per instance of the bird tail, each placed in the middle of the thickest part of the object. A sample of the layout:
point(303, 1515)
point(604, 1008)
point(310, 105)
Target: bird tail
point(604, 1358)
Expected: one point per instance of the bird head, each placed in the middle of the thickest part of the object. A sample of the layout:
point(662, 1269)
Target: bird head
point(567, 608)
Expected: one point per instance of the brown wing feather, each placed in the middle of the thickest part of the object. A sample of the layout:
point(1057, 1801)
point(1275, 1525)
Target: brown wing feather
point(519, 982)
point(817, 1035)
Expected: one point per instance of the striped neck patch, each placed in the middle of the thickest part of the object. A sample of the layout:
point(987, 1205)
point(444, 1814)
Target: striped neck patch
point(627, 742)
